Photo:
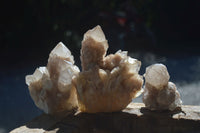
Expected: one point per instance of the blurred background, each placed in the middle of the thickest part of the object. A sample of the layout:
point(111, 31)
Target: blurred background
point(152, 31)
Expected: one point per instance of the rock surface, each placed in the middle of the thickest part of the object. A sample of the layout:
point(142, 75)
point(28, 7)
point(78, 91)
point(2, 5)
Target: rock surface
point(159, 93)
point(51, 87)
point(106, 84)
point(135, 118)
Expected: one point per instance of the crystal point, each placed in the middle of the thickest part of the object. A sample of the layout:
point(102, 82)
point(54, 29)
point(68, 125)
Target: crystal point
point(94, 47)
point(96, 34)
point(61, 51)
point(157, 75)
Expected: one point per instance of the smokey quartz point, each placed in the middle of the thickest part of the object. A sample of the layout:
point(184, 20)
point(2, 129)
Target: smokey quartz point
point(106, 83)
point(51, 87)
point(159, 93)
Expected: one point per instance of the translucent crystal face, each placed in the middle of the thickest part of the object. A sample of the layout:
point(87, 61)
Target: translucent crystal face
point(157, 75)
point(96, 34)
point(61, 51)
point(37, 75)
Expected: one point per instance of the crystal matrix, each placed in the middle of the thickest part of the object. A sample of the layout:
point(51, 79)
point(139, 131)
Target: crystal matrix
point(106, 84)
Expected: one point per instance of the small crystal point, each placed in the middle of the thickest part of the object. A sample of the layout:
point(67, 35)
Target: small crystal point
point(159, 93)
point(61, 51)
point(37, 75)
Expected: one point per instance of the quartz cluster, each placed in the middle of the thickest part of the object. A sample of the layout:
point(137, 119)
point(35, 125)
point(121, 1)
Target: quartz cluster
point(159, 93)
point(51, 87)
point(106, 83)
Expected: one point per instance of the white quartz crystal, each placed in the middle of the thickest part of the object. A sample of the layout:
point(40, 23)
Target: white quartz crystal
point(159, 93)
point(51, 87)
point(157, 75)
point(106, 84)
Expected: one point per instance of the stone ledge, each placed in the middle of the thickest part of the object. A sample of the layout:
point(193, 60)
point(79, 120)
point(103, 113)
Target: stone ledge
point(135, 118)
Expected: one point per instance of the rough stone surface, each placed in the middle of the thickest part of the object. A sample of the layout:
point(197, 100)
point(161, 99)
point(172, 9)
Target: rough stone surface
point(106, 84)
point(51, 87)
point(134, 119)
point(159, 93)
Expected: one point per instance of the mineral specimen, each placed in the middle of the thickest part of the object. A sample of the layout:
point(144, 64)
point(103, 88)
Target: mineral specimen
point(51, 87)
point(106, 84)
point(159, 93)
